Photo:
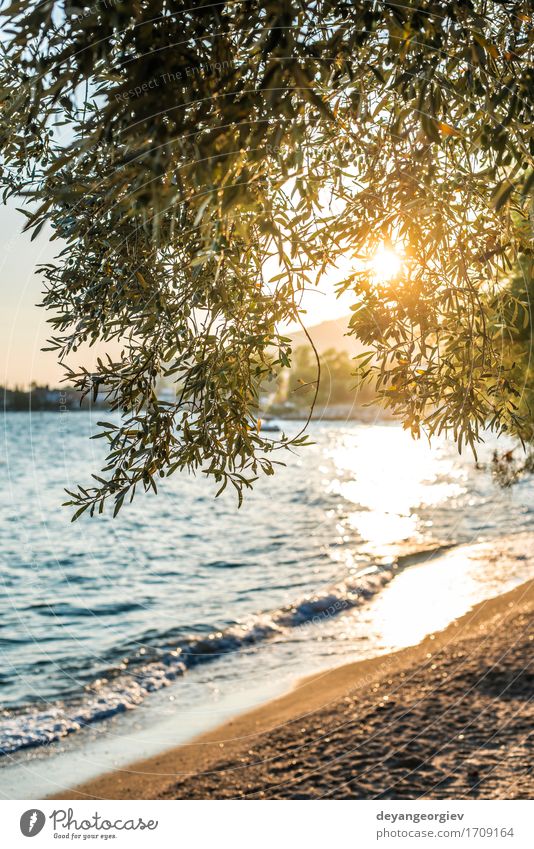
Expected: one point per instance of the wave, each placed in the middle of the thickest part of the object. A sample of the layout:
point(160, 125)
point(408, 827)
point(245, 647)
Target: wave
point(123, 689)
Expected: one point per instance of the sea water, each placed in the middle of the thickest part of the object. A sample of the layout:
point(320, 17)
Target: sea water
point(184, 607)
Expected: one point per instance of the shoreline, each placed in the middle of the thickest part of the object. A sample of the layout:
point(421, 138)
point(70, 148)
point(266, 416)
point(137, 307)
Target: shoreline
point(279, 744)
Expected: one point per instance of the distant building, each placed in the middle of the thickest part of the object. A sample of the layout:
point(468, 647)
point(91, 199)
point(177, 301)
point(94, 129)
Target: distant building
point(41, 398)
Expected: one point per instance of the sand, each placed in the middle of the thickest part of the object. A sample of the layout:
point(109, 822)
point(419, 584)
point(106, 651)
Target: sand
point(451, 718)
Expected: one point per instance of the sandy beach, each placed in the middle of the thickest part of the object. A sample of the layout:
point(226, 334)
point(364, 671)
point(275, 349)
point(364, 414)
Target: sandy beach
point(450, 718)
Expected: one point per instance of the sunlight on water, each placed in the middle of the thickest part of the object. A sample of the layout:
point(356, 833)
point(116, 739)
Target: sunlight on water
point(389, 475)
point(382, 529)
point(424, 600)
point(427, 597)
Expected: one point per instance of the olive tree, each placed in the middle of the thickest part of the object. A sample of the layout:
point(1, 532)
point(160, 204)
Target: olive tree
point(201, 166)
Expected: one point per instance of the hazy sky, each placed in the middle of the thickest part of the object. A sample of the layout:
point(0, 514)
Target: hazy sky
point(23, 326)
point(23, 329)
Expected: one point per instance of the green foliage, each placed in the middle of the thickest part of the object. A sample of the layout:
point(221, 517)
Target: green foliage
point(337, 385)
point(178, 153)
point(515, 313)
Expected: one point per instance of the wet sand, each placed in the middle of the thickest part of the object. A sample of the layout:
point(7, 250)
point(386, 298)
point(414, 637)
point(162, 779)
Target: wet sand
point(451, 718)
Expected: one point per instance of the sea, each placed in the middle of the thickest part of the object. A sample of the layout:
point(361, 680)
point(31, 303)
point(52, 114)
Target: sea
point(120, 637)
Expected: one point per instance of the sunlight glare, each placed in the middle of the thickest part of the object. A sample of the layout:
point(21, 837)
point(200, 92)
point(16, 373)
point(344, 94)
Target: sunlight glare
point(386, 263)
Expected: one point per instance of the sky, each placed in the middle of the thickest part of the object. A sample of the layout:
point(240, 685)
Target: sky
point(23, 327)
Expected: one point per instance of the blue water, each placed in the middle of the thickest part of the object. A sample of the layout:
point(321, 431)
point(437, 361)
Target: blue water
point(97, 615)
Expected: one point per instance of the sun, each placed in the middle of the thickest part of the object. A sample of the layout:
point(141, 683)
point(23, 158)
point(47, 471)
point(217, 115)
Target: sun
point(386, 263)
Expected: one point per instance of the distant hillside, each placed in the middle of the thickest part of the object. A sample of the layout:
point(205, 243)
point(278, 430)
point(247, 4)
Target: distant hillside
point(329, 334)
point(339, 394)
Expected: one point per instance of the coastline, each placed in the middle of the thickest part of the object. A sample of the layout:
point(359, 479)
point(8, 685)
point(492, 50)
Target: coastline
point(447, 718)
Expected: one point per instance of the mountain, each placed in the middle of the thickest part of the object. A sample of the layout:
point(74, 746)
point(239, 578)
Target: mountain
point(329, 334)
